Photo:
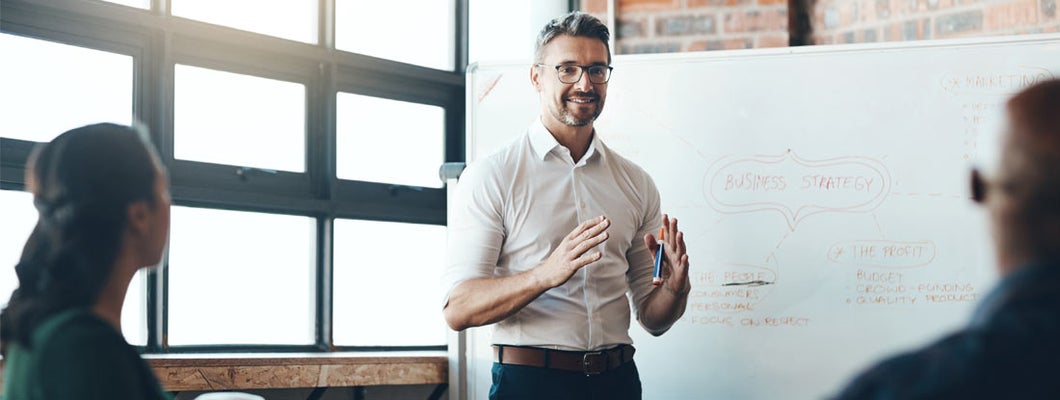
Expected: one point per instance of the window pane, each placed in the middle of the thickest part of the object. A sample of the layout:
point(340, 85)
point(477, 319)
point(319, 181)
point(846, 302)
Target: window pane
point(381, 140)
point(18, 218)
point(500, 30)
point(134, 311)
point(367, 309)
point(234, 119)
point(39, 78)
point(240, 278)
point(288, 19)
point(145, 4)
point(413, 31)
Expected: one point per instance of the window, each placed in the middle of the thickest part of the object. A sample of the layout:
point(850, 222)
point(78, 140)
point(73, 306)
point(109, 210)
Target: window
point(217, 112)
point(145, 4)
point(382, 140)
point(240, 278)
point(288, 19)
point(501, 30)
point(414, 31)
point(270, 134)
point(87, 85)
point(394, 268)
point(134, 310)
point(19, 217)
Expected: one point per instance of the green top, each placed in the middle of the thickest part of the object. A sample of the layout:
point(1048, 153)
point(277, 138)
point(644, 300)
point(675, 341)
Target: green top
point(77, 355)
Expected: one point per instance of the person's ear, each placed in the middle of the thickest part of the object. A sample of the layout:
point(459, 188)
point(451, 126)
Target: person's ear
point(138, 216)
point(535, 77)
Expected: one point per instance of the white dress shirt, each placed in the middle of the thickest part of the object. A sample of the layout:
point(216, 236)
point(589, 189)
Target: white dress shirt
point(513, 208)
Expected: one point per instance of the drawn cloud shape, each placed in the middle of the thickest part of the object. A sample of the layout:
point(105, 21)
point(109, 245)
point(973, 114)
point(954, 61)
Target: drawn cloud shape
point(795, 187)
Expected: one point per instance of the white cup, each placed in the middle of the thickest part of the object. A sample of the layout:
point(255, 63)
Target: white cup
point(228, 396)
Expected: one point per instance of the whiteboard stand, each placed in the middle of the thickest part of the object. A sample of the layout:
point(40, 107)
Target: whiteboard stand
point(457, 343)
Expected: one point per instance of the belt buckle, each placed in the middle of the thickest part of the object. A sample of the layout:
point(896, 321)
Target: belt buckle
point(594, 363)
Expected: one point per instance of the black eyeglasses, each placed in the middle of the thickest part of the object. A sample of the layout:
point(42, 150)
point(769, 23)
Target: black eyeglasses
point(570, 73)
point(978, 187)
point(982, 186)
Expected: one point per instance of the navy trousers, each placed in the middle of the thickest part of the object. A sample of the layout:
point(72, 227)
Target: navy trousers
point(517, 382)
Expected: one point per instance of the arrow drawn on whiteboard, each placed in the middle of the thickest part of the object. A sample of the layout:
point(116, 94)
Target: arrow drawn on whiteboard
point(782, 240)
point(878, 228)
point(772, 255)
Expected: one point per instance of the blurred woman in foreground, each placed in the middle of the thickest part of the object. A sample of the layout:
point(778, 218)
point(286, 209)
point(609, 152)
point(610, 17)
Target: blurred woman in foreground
point(103, 203)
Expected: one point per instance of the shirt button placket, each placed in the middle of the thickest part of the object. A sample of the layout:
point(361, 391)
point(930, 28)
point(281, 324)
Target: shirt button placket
point(579, 200)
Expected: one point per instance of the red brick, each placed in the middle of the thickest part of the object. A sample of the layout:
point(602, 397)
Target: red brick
point(881, 9)
point(871, 35)
point(846, 15)
point(594, 6)
point(647, 47)
point(647, 5)
point(1018, 14)
point(866, 10)
point(699, 45)
point(718, 3)
point(823, 39)
point(893, 32)
point(964, 23)
point(768, 20)
point(915, 8)
point(721, 44)
point(772, 41)
point(626, 28)
point(687, 24)
point(772, 2)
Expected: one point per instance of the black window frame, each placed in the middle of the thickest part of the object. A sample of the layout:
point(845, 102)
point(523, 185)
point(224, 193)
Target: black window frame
point(158, 41)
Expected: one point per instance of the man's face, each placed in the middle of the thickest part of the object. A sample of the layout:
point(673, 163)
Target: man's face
point(571, 104)
point(1007, 205)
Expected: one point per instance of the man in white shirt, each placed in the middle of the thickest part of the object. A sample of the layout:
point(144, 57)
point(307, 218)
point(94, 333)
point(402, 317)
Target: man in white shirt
point(551, 239)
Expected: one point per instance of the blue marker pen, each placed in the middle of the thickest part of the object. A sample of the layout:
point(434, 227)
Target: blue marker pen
point(657, 275)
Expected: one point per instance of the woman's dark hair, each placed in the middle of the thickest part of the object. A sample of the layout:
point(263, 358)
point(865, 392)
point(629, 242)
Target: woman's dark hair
point(82, 184)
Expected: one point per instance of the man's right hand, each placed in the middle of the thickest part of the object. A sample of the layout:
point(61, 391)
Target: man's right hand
point(483, 301)
point(573, 252)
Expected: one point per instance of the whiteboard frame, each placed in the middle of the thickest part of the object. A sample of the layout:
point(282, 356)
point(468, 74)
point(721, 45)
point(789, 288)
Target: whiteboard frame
point(466, 343)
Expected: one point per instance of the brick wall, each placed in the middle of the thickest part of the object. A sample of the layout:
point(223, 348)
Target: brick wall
point(861, 21)
point(667, 26)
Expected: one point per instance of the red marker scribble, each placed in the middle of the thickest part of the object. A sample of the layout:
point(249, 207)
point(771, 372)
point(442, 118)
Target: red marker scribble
point(490, 84)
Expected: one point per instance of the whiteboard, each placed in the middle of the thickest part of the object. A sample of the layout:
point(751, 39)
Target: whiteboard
point(822, 190)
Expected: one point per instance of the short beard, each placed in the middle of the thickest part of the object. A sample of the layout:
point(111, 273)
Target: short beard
point(569, 119)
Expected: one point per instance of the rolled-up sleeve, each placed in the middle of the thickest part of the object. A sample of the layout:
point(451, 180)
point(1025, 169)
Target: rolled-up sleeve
point(475, 227)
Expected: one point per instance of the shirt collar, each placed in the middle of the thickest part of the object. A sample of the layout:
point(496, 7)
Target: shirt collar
point(542, 142)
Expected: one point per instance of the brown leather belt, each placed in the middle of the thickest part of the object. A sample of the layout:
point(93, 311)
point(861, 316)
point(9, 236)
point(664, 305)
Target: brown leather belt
point(587, 362)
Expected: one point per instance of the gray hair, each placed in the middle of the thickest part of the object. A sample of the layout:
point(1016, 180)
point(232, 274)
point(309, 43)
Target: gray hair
point(577, 24)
